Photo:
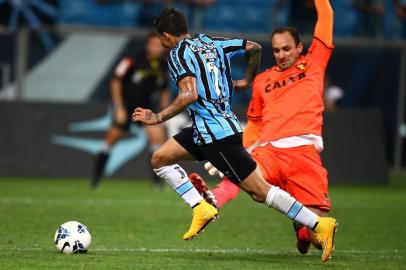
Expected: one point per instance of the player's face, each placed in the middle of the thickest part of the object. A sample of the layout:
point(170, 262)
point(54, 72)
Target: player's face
point(285, 51)
point(154, 48)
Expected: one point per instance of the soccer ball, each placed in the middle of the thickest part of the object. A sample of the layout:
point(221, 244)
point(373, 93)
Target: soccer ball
point(72, 237)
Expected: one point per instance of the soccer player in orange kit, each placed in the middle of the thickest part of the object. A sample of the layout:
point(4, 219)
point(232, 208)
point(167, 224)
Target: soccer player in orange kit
point(285, 122)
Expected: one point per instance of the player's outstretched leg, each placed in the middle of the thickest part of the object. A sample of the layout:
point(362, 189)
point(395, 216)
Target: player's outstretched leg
point(324, 227)
point(100, 164)
point(203, 212)
point(203, 189)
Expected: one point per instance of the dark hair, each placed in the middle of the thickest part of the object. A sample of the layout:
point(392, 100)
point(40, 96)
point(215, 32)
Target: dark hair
point(291, 30)
point(171, 21)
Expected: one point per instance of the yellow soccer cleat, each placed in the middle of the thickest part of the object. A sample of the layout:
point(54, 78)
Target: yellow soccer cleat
point(203, 214)
point(324, 232)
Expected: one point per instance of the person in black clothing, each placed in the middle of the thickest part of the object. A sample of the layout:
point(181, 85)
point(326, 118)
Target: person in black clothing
point(137, 81)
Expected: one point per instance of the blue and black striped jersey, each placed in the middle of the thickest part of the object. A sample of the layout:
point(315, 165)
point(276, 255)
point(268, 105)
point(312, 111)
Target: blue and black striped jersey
point(208, 59)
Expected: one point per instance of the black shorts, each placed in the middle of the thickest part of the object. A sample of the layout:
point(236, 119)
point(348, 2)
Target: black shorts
point(227, 154)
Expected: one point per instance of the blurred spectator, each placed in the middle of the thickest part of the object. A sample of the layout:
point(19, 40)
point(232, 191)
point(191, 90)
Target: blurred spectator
point(400, 12)
point(332, 95)
point(371, 17)
point(138, 81)
point(400, 9)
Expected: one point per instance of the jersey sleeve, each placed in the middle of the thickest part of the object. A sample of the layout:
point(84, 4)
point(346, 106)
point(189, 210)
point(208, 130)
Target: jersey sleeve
point(255, 107)
point(325, 20)
point(322, 44)
point(251, 132)
point(180, 63)
point(319, 52)
point(231, 47)
point(123, 67)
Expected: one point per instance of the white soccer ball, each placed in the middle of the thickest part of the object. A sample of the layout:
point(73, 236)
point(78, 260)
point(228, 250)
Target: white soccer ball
point(72, 237)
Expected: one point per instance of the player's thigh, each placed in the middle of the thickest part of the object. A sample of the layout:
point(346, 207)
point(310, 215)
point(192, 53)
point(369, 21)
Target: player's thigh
point(229, 156)
point(169, 153)
point(155, 133)
point(269, 165)
point(307, 180)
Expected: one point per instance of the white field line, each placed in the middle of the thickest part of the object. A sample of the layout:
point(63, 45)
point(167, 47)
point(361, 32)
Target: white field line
point(382, 253)
point(104, 202)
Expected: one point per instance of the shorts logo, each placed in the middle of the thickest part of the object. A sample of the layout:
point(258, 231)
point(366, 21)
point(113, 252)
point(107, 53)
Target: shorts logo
point(182, 174)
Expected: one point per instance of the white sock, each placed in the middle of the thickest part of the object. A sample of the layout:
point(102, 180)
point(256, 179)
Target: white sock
point(177, 178)
point(285, 203)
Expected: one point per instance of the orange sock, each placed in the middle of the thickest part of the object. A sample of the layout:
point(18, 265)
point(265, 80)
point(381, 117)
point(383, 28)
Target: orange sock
point(225, 191)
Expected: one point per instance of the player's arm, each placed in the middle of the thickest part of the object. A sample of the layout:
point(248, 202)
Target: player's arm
point(116, 90)
point(119, 110)
point(253, 54)
point(187, 95)
point(254, 116)
point(251, 132)
point(324, 24)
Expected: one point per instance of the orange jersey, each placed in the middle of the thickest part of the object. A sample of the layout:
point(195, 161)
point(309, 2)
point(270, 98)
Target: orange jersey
point(290, 103)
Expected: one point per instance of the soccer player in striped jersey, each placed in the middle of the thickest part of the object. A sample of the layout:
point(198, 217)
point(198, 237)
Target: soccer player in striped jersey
point(200, 67)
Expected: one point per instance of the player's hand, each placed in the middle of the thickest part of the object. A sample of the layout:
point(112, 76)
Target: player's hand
point(146, 116)
point(212, 170)
point(120, 115)
point(240, 84)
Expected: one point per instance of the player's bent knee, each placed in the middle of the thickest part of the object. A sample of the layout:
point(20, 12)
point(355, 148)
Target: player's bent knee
point(158, 160)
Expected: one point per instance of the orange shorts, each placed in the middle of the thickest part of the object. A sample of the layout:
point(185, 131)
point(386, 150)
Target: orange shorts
point(297, 170)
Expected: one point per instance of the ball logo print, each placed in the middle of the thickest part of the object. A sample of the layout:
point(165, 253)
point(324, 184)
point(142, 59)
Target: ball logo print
point(78, 247)
point(72, 237)
point(62, 234)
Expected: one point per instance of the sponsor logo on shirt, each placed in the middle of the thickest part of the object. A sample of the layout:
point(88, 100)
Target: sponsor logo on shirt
point(269, 86)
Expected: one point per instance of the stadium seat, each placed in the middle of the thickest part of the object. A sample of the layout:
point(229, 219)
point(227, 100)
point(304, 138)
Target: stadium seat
point(89, 12)
point(346, 18)
point(239, 16)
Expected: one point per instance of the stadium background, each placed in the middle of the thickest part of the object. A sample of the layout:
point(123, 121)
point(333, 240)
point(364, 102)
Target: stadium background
point(56, 58)
point(40, 39)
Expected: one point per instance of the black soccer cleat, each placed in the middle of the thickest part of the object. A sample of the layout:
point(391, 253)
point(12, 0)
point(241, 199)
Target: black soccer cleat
point(101, 161)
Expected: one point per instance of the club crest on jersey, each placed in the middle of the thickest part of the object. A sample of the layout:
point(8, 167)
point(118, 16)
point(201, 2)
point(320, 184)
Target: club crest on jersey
point(301, 66)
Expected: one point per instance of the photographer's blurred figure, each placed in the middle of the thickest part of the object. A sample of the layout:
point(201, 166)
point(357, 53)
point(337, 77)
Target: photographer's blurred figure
point(333, 94)
point(137, 81)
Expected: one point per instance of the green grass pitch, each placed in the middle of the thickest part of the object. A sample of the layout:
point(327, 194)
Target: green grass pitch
point(134, 227)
